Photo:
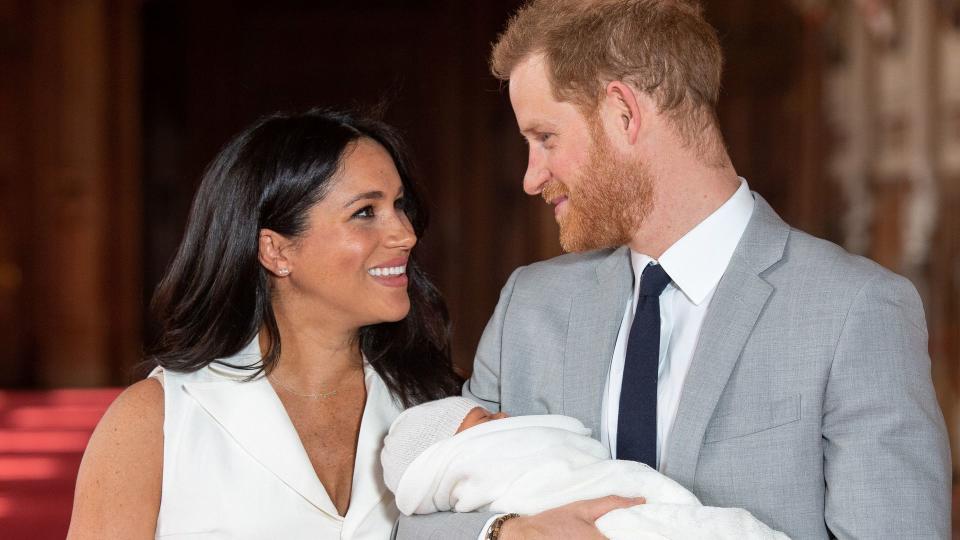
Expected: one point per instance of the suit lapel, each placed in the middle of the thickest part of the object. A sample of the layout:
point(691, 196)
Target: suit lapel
point(595, 317)
point(731, 317)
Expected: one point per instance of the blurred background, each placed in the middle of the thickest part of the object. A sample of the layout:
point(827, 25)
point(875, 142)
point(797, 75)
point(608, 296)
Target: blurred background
point(843, 114)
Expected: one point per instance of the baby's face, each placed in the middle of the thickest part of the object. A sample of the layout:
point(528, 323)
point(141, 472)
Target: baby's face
point(478, 416)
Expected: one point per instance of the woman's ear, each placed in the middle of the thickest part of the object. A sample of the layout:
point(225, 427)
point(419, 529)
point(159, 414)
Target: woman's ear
point(623, 112)
point(272, 246)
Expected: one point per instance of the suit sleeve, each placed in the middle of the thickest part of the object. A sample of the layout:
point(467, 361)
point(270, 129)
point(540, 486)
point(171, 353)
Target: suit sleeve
point(484, 388)
point(484, 385)
point(886, 455)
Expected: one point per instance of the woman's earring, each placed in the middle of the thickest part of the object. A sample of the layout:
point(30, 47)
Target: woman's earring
point(284, 271)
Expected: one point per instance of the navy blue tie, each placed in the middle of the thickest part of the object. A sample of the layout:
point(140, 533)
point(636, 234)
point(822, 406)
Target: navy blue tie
point(637, 419)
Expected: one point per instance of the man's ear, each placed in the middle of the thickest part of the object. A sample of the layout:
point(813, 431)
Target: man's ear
point(624, 112)
point(272, 248)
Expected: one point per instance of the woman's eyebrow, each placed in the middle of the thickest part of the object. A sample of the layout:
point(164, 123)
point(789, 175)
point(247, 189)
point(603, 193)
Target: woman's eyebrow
point(365, 195)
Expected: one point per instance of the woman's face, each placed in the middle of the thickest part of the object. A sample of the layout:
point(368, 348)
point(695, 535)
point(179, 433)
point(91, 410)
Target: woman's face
point(350, 264)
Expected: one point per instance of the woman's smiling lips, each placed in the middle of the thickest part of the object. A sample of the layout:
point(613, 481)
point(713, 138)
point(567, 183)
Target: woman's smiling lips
point(392, 273)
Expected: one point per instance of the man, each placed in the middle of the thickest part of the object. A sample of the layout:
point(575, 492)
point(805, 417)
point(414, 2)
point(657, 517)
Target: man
point(692, 328)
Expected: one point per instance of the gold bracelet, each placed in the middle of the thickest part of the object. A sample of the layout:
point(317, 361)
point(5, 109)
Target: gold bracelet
point(494, 532)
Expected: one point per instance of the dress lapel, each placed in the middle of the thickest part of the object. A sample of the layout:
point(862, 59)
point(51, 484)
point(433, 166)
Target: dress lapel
point(595, 317)
point(252, 414)
point(368, 487)
point(731, 317)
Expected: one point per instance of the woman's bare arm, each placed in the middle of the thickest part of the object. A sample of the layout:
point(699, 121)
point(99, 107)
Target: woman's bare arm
point(118, 487)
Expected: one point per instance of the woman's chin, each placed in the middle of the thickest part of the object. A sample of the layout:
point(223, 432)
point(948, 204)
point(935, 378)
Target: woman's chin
point(390, 315)
point(400, 315)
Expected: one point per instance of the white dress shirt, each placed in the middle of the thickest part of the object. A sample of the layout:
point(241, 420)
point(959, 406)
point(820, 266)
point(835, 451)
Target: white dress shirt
point(695, 263)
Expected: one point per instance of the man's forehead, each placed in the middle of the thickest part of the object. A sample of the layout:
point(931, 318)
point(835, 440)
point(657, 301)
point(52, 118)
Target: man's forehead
point(537, 109)
point(529, 76)
point(532, 96)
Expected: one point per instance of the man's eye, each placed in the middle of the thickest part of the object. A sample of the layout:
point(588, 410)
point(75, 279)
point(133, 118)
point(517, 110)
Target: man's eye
point(365, 212)
point(544, 137)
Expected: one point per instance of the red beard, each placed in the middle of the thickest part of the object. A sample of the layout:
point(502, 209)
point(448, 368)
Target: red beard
point(613, 197)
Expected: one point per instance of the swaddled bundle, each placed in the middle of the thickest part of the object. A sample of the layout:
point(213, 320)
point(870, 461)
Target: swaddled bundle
point(530, 464)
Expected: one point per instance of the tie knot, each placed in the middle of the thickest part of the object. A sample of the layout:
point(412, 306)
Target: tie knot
point(653, 280)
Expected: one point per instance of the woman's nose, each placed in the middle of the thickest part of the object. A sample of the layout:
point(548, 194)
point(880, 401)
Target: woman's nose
point(401, 234)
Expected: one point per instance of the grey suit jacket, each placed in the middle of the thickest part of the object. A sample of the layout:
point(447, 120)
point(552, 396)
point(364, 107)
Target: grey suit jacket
point(809, 400)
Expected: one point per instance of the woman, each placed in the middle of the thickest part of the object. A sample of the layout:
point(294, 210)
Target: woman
point(295, 327)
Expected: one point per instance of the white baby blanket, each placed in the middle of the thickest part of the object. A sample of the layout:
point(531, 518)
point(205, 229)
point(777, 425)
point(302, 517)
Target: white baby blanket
point(528, 464)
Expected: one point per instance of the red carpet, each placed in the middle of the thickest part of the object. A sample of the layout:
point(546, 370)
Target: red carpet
point(42, 437)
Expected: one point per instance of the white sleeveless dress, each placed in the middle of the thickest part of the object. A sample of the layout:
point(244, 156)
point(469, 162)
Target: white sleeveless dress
point(234, 466)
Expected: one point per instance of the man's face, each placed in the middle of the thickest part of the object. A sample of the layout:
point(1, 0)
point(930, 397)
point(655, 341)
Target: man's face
point(600, 197)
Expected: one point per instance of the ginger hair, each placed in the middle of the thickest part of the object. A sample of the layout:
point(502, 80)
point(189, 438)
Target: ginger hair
point(664, 48)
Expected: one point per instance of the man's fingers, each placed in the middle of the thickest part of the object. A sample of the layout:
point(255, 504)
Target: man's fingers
point(595, 508)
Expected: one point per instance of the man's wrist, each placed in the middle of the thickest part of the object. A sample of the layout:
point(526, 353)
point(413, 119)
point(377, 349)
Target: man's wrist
point(498, 525)
point(512, 529)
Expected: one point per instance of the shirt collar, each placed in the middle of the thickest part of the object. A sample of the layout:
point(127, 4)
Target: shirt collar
point(697, 261)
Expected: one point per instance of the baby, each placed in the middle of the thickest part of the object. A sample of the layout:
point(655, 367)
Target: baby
point(452, 455)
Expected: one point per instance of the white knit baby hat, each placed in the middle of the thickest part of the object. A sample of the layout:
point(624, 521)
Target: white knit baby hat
point(418, 428)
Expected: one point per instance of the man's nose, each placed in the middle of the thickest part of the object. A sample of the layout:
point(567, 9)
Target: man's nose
point(536, 176)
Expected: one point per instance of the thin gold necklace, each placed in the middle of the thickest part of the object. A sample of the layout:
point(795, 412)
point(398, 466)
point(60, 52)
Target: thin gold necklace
point(318, 395)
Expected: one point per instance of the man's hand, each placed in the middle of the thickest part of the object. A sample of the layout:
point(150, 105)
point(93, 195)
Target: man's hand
point(574, 520)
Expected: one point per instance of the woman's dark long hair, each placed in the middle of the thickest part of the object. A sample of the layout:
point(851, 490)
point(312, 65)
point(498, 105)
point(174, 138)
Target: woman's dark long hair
point(216, 295)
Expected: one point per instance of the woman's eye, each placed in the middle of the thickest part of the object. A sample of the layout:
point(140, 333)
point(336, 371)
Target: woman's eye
point(365, 212)
point(400, 204)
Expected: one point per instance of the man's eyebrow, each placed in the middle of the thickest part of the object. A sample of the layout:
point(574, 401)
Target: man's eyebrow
point(535, 128)
point(365, 195)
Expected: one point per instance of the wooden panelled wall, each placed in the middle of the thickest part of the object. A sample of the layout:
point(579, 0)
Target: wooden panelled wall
point(70, 263)
point(88, 222)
